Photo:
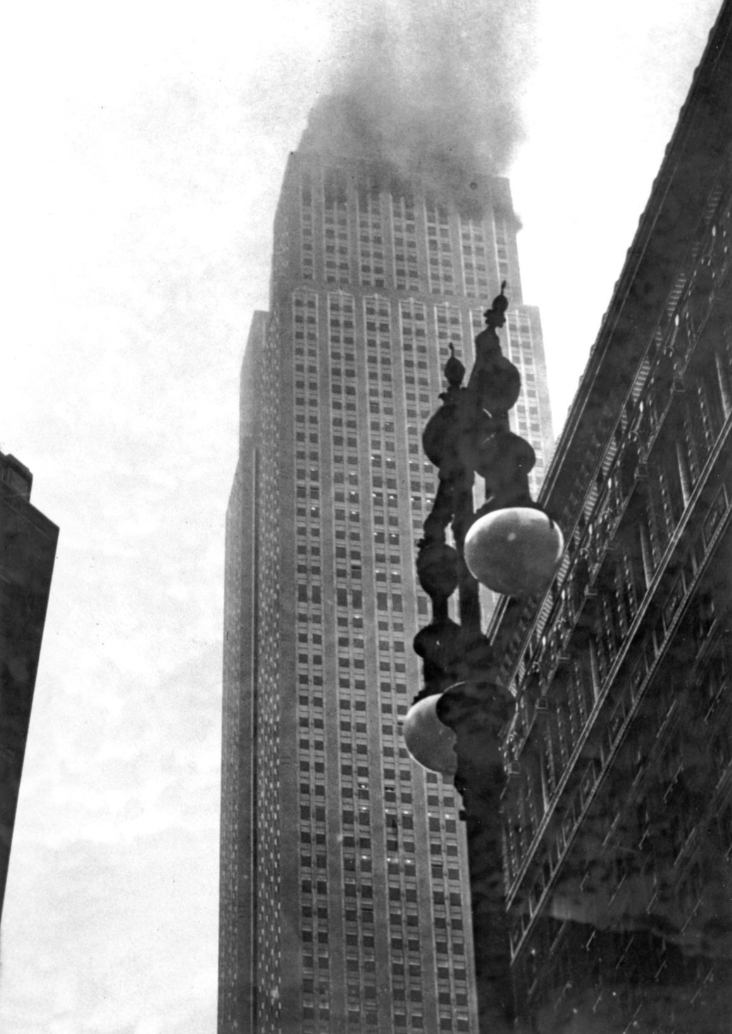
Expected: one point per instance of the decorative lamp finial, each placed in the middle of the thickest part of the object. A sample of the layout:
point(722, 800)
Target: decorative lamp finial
point(454, 369)
point(498, 308)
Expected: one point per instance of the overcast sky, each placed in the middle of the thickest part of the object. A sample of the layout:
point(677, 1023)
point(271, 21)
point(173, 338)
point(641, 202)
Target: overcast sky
point(144, 147)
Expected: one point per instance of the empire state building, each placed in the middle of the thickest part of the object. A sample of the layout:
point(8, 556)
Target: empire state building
point(344, 901)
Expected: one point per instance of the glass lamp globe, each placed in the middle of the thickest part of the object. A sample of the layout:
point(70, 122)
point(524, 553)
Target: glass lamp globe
point(514, 551)
point(428, 740)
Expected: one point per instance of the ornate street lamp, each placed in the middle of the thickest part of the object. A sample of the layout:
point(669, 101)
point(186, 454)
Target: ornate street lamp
point(512, 547)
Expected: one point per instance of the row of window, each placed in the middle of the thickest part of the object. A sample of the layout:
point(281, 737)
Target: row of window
point(661, 758)
point(372, 256)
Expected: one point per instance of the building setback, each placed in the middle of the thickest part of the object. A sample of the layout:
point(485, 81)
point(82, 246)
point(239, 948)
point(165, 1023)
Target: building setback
point(27, 554)
point(618, 811)
point(343, 864)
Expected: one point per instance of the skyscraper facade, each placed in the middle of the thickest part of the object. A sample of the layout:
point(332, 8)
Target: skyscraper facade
point(27, 555)
point(618, 809)
point(344, 902)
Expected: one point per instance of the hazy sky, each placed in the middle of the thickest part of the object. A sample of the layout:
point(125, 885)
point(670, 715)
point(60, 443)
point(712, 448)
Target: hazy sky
point(144, 150)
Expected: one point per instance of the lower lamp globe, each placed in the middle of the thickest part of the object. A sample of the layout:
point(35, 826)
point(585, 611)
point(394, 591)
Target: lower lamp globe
point(428, 740)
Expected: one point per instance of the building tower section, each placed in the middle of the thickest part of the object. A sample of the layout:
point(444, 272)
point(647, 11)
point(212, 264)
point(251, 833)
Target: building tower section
point(345, 905)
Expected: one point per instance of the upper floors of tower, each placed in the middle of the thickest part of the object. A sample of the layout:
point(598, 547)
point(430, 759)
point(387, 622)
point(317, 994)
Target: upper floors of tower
point(355, 222)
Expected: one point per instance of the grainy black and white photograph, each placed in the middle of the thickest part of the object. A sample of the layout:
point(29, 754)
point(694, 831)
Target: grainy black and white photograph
point(366, 518)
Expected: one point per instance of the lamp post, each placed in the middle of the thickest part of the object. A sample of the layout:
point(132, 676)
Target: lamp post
point(511, 546)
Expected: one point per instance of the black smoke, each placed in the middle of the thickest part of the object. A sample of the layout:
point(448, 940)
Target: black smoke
point(431, 88)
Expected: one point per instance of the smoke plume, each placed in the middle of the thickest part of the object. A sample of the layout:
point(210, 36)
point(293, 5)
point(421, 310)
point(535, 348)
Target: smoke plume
point(433, 88)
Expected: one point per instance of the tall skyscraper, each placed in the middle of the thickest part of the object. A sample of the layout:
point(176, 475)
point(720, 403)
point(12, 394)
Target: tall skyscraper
point(27, 555)
point(344, 900)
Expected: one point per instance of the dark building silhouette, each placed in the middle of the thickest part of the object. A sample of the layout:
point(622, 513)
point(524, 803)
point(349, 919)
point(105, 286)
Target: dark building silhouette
point(27, 554)
point(343, 900)
point(618, 808)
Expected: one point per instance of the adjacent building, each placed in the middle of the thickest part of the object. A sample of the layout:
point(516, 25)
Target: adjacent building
point(344, 903)
point(27, 554)
point(618, 809)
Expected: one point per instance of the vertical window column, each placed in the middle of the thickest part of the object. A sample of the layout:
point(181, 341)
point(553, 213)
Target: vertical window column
point(406, 267)
point(336, 226)
point(370, 233)
point(439, 249)
point(307, 238)
point(474, 258)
